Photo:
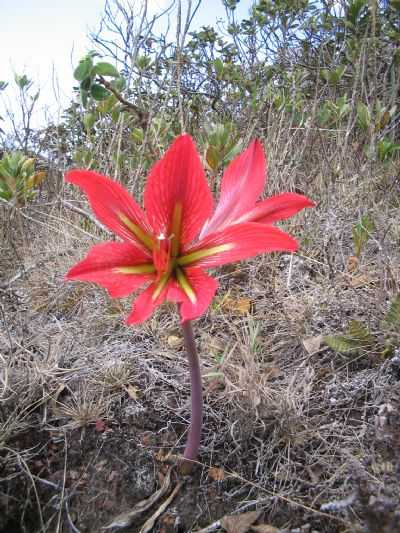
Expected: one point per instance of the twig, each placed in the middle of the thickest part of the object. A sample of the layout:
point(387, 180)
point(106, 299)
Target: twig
point(87, 215)
point(143, 116)
point(218, 525)
point(149, 524)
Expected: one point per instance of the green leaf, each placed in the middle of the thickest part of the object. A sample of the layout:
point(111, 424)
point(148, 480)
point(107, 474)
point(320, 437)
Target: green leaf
point(354, 10)
point(119, 84)
point(105, 69)
point(363, 116)
point(361, 234)
point(86, 84)
point(219, 67)
point(385, 148)
point(137, 135)
point(98, 92)
point(23, 81)
point(341, 343)
point(5, 194)
point(89, 120)
point(213, 158)
point(84, 97)
point(325, 74)
point(105, 106)
point(357, 337)
point(83, 69)
point(143, 62)
point(392, 317)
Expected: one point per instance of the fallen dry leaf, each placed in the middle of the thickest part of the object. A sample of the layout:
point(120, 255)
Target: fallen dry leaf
point(217, 474)
point(352, 263)
point(272, 371)
point(239, 306)
point(312, 344)
point(239, 523)
point(361, 280)
point(132, 391)
point(174, 342)
point(264, 528)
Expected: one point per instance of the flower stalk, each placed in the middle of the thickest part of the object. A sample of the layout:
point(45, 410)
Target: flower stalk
point(196, 399)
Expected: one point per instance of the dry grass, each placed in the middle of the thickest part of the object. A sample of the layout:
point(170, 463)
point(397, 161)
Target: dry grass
point(87, 404)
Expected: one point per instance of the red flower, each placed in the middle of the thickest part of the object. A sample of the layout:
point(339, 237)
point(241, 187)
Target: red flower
point(159, 247)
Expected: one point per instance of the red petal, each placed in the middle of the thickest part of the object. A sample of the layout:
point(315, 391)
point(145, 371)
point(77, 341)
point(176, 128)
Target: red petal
point(178, 178)
point(99, 265)
point(277, 208)
point(108, 200)
point(242, 184)
point(203, 285)
point(144, 305)
point(246, 240)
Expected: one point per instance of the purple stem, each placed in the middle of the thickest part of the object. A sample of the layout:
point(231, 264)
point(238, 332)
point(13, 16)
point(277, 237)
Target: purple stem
point(196, 420)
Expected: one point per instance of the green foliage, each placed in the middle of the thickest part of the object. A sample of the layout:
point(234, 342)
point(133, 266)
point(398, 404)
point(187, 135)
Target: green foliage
point(361, 234)
point(363, 116)
point(357, 12)
point(302, 63)
point(105, 69)
point(219, 68)
point(392, 317)
point(89, 120)
point(23, 82)
point(333, 76)
point(143, 62)
point(137, 135)
point(98, 92)
point(91, 78)
point(84, 68)
point(356, 338)
point(386, 148)
point(222, 144)
point(18, 177)
point(359, 340)
point(333, 113)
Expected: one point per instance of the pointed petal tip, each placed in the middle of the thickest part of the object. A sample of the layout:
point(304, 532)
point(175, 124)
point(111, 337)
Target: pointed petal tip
point(70, 275)
point(178, 180)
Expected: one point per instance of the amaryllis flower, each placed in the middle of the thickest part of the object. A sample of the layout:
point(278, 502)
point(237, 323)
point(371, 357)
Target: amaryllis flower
point(168, 245)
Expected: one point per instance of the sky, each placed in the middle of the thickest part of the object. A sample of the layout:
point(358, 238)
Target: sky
point(45, 39)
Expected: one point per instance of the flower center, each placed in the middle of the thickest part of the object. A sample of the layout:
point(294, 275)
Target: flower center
point(166, 251)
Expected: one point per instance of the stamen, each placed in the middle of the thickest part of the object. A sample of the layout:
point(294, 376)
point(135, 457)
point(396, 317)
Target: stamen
point(142, 236)
point(205, 252)
point(136, 269)
point(160, 286)
point(176, 229)
point(185, 285)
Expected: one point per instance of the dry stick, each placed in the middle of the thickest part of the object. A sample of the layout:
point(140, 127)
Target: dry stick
point(142, 115)
point(196, 420)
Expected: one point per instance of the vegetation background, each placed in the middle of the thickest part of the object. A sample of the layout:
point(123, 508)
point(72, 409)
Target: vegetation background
point(301, 355)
